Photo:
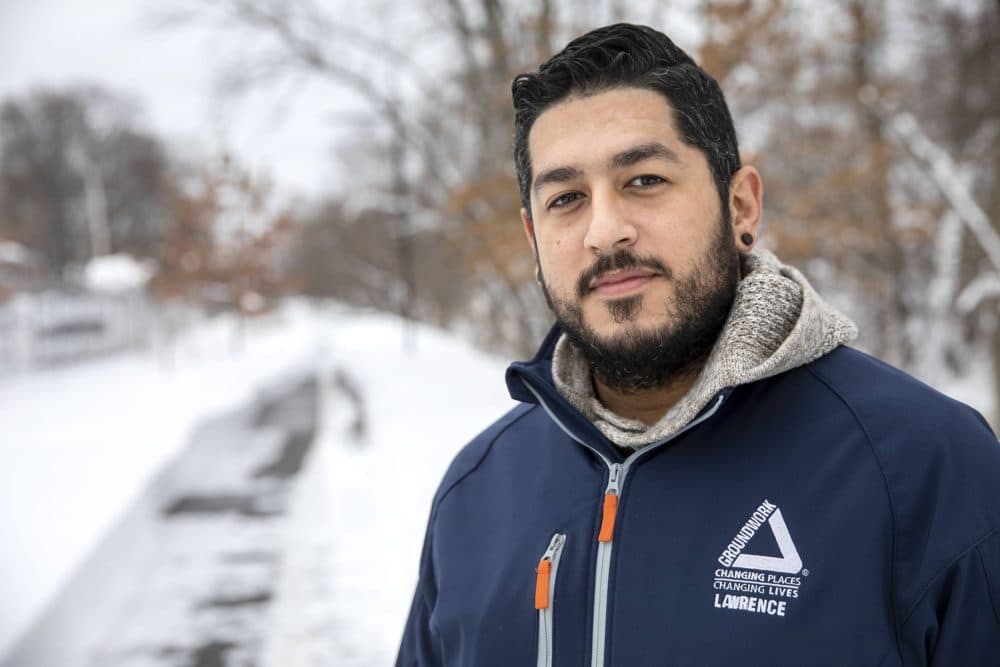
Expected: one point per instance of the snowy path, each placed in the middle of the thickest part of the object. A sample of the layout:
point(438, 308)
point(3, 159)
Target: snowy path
point(186, 577)
point(230, 554)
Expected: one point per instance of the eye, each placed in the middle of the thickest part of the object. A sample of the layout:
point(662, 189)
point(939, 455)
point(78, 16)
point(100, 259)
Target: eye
point(564, 200)
point(646, 181)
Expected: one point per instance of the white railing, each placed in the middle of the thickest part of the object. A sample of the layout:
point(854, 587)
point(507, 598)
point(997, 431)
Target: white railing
point(57, 326)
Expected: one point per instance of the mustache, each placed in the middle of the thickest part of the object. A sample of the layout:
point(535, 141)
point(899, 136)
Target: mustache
point(618, 261)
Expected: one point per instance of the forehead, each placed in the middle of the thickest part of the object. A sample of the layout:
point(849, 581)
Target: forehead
point(584, 130)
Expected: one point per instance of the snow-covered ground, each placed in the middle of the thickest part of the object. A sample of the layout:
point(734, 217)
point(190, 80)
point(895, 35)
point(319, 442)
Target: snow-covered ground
point(81, 442)
point(362, 506)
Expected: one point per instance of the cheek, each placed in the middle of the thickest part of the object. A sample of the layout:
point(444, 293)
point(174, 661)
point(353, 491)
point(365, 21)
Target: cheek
point(560, 266)
point(680, 235)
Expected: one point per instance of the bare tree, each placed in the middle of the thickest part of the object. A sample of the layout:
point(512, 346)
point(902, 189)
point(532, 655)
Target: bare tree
point(954, 132)
point(80, 177)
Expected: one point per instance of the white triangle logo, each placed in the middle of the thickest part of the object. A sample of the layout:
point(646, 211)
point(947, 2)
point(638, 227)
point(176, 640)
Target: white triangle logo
point(767, 513)
point(788, 563)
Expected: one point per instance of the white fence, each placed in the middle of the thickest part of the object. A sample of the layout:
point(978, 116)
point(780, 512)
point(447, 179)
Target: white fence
point(56, 326)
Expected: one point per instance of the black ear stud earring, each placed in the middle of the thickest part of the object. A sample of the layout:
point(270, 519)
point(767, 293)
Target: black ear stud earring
point(747, 238)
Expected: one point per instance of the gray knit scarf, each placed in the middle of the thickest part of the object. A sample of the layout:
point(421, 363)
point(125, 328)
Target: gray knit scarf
point(777, 322)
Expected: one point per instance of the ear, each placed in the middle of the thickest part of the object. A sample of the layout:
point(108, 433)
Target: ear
point(746, 199)
point(529, 231)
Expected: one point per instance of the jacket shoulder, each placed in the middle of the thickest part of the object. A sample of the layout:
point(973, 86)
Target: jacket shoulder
point(888, 401)
point(939, 460)
point(476, 450)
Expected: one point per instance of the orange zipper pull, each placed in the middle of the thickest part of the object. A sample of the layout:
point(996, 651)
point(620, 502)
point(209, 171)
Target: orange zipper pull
point(542, 584)
point(608, 517)
point(610, 508)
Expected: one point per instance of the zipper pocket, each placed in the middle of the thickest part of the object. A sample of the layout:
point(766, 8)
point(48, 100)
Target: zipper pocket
point(545, 590)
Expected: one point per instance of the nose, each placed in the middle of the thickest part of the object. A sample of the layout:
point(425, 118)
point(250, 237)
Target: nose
point(610, 228)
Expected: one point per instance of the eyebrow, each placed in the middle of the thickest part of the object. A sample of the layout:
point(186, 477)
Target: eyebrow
point(627, 158)
point(651, 151)
point(557, 175)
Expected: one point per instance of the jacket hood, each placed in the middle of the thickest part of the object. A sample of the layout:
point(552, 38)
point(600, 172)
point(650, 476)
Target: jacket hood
point(777, 322)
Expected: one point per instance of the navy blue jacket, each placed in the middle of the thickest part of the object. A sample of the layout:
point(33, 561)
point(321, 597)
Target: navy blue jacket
point(841, 513)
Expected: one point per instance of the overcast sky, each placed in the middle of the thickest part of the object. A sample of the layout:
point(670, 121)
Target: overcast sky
point(171, 73)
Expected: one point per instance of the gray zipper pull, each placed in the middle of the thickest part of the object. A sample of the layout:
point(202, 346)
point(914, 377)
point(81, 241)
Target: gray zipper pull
point(615, 479)
point(554, 546)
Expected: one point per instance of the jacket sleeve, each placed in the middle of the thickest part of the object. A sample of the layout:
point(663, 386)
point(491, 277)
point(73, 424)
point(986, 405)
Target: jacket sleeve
point(420, 646)
point(957, 620)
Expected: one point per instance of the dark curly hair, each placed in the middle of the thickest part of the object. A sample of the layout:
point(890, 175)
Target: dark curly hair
point(625, 55)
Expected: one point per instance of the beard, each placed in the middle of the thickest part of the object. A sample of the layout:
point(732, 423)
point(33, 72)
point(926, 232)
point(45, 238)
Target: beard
point(640, 358)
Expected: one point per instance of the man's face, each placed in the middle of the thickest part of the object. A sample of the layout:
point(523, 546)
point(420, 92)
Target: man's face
point(637, 254)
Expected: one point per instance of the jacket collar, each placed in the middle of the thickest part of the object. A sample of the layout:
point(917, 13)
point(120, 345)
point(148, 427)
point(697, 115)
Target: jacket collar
point(531, 382)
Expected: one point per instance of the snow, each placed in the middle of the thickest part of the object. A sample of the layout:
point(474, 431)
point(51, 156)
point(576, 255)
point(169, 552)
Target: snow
point(82, 442)
point(15, 253)
point(116, 273)
point(94, 434)
point(377, 492)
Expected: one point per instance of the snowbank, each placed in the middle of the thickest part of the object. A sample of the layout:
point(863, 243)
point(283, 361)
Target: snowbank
point(80, 443)
point(361, 509)
point(116, 273)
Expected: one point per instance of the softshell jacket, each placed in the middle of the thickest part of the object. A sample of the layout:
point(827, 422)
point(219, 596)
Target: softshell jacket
point(840, 513)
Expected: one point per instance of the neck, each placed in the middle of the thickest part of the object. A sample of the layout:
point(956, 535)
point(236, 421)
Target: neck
point(648, 406)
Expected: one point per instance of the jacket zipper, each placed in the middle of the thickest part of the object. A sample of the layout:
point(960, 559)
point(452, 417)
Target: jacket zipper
point(609, 510)
point(545, 590)
point(605, 536)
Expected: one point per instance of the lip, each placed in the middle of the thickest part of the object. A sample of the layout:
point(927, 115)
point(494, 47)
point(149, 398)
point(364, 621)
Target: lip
point(620, 282)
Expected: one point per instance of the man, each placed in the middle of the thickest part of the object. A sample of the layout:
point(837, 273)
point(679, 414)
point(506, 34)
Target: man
point(701, 473)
